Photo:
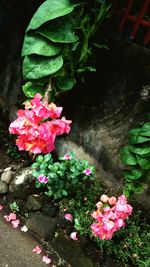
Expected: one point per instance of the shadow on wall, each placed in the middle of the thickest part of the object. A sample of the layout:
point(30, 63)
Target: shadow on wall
point(14, 18)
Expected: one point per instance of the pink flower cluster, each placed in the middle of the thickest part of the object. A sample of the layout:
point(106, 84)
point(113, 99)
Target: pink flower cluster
point(110, 214)
point(38, 250)
point(38, 125)
point(13, 219)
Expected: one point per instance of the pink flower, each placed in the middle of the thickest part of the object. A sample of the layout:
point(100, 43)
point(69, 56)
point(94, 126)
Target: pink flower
point(99, 205)
point(112, 200)
point(68, 217)
point(67, 157)
point(73, 236)
point(37, 250)
point(43, 179)
point(10, 217)
point(33, 134)
point(104, 198)
point(46, 259)
point(87, 171)
point(1, 207)
point(15, 223)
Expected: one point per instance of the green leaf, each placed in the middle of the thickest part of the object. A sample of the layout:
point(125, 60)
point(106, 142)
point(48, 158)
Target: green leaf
point(144, 163)
point(39, 159)
point(135, 131)
point(49, 10)
point(146, 126)
point(35, 67)
point(65, 83)
point(47, 157)
point(35, 174)
point(137, 139)
point(60, 31)
point(127, 157)
point(36, 44)
point(64, 192)
point(35, 165)
point(133, 174)
point(140, 150)
point(145, 132)
point(32, 88)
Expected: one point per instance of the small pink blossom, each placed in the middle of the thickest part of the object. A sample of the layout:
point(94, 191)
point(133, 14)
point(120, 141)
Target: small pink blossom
point(15, 223)
point(99, 205)
point(1, 207)
point(46, 259)
point(73, 236)
point(68, 217)
point(87, 171)
point(10, 217)
point(37, 250)
point(112, 200)
point(104, 198)
point(67, 157)
point(43, 179)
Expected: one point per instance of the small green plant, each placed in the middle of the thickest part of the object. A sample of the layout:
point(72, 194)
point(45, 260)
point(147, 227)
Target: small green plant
point(13, 151)
point(136, 156)
point(14, 207)
point(61, 178)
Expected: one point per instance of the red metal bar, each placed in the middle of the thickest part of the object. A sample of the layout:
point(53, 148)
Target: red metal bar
point(132, 18)
point(137, 24)
point(147, 37)
point(127, 10)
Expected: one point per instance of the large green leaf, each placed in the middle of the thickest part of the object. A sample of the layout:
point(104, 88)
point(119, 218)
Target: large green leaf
point(133, 174)
point(49, 10)
point(144, 163)
point(31, 88)
point(127, 157)
point(35, 67)
point(65, 83)
point(135, 131)
point(145, 132)
point(137, 139)
point(146, 126)
point(36, 44)
point(140, 150)
point(60, 31)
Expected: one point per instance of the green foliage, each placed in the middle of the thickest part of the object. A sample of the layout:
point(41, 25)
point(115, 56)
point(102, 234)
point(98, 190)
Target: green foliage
point(82, 205)
point(14, 207)
point(137, 158)
point(65, 177)
point(59, 43)
point(12, 151)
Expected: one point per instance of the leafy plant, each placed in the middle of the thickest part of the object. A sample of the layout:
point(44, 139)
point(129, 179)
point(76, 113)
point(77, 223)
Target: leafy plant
point(13, 151)
point(61, 178)
point(136, 156)
point(14, 207)
point(59, 41)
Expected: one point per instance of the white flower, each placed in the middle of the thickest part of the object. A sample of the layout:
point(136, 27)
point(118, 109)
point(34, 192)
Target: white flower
point(24, 228)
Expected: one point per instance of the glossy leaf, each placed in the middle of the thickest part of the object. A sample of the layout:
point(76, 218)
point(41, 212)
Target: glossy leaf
point(132, 174)
point(36, 44)
point(38, 67)
point(137, 139)
point(140, 150)
point(30, 89)
point(65, 83)
point(127, 157)
point(60, 31)
point(144, 163)
point(49, 10)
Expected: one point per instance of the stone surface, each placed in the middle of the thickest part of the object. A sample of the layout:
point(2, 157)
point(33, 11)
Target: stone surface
point(34, 202)
point(16, 248)
point(3, 187)
point(23, 183)
point(41, 225)
point(7, 176)
point(71, 252)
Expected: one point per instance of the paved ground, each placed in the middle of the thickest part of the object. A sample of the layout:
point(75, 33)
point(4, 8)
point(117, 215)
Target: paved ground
point(16, 248)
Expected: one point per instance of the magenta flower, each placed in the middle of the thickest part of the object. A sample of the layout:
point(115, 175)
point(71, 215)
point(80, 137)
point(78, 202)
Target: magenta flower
point(37, 250)
point(67, 157)
point(73, 236)
point(87, 171)
point(46, 259)
point(68, 217)
point(1, 207)
point(43, 179)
